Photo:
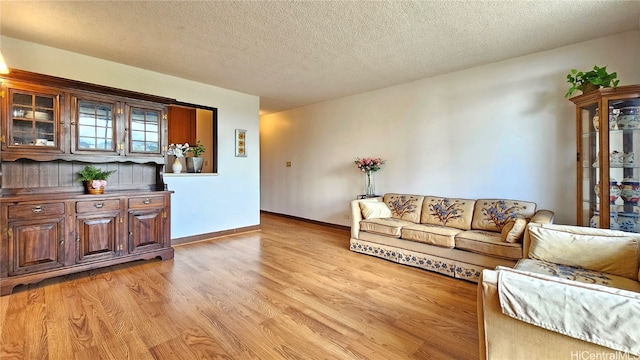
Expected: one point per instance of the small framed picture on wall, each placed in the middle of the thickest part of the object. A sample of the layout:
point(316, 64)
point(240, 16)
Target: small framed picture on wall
point(241, 143)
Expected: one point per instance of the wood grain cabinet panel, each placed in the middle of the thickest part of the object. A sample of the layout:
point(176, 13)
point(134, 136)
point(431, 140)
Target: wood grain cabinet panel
point(35, 245)
point(97, 205)
point(145, 229)
point(35, 210)
point(146, 202)
point(98, 236)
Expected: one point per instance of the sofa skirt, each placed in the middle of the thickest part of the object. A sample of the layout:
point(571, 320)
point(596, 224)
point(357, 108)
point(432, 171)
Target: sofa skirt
point(453, 265)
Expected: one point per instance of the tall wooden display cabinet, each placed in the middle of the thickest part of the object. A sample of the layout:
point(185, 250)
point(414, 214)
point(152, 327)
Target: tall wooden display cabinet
point(608, 158)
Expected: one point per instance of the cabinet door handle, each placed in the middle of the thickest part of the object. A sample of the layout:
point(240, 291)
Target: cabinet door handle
point(37, 210)
point(146, 201)
point(98, 205)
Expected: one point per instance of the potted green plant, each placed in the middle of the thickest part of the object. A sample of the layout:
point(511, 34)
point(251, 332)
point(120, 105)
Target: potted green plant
point(94, 179)
point(590, 80)
point(195, 162)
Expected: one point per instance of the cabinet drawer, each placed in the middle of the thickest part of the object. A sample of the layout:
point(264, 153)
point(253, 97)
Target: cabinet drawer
point(149, 201)
point(96, 205)
point(27, 210)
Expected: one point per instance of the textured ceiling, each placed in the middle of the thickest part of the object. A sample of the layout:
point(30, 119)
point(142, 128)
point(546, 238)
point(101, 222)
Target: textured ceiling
point(294, 53)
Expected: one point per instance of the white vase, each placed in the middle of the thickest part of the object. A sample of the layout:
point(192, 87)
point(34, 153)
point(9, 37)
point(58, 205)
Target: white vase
point(176, 166)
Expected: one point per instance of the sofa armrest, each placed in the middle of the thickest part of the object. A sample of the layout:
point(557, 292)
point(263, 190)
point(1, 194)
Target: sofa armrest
point(539, 218)
point(356, 215)
point(496, 332)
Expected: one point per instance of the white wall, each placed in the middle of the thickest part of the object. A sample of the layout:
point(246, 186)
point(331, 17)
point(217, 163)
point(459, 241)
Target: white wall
point(501, 130)
point(200, 204)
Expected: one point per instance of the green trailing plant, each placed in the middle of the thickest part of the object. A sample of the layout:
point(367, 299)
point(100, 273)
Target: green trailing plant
point(599, 77)
point(197, 150)
point(90, 173)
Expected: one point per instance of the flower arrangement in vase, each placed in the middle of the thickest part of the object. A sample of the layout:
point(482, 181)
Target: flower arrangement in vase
point(177, 150)
point(95, 179)
point(369, 166)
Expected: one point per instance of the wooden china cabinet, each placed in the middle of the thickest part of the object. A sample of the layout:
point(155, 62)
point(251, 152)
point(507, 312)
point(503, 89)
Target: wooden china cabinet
point(608, 158)
point(50, 129)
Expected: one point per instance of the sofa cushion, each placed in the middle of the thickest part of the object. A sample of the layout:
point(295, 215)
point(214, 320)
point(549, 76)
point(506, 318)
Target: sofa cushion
point(374, 210)
point(494, 214)
point(456, 213)
point(577, 274)
point(430, 234)
point(488, 243)
point(615, 253)
point(405, 207)
point(513, 232)
point(388, 227)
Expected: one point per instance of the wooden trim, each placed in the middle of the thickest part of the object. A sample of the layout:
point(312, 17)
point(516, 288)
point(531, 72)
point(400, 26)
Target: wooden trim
point(190, 105)
point(42, 79)
point(579, 159)
point(213, 235)
point(335, 226)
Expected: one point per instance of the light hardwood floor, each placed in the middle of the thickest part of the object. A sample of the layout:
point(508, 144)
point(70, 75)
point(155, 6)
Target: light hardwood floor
point(290, 291)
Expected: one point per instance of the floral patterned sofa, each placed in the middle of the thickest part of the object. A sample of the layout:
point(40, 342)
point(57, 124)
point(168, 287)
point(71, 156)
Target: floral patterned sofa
point(455, 237)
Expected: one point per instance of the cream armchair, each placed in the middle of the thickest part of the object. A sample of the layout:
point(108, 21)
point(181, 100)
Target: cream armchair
point(575, 296)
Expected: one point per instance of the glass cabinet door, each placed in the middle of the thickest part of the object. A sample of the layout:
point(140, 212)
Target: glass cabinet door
point(33, 120)
point(145, 126)
point(95, 125)
point(609, 158)
point(590, 164)
point(624, 172)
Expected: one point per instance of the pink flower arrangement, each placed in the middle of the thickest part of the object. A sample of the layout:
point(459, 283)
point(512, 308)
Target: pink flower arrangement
point(369, 164)
point(97, 184)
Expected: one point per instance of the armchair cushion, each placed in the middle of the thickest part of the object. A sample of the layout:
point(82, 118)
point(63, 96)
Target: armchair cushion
point(374, 210)
point(609, 253)
point(577, 274)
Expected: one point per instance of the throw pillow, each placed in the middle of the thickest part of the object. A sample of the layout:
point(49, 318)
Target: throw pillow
point(374, 210)
point(513, 232)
